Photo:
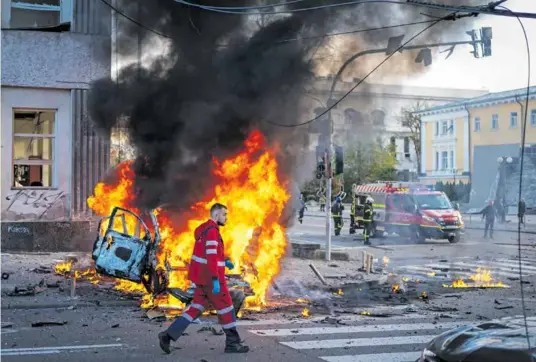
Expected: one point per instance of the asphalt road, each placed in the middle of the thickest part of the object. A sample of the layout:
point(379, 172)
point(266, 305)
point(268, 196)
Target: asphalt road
point(123, 333)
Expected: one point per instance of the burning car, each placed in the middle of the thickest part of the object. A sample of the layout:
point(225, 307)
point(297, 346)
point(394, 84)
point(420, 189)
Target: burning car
point(125, 248)
point(490, 342)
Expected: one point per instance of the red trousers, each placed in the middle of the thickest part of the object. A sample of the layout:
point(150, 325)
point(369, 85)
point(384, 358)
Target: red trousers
point(202, 297)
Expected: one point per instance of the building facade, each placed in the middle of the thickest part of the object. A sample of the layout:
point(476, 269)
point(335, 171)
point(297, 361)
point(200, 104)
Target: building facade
point(372, 112)
point(51, 155)
point(463, 141)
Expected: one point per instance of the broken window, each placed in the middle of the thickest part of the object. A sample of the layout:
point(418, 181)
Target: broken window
point(128, 224)
point(33, 147)
point(36, 13)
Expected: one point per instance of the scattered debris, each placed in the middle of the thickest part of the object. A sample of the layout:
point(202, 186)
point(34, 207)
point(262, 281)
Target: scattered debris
point(443, 261)
point(505, 307)
point(56, 284)
point(28, 290)
point(444, 316)
point(434, 308)
point(452, 296)
point(115, 325)
point(424, 296)
point(49, 323)
point(42, 270)
point(305, 313)
point(497, 302)
point(333, 265)
point(5, 276)
point(155, 314)
point(210, 329)
point(6, 325)
point(319, 276)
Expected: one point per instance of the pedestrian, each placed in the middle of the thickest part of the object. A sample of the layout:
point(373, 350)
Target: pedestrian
point(322, 201)
point(207, 272)
point(336, 211)
point(522, 208)
point(489, 214)
point(368, 219)
point(303, 207)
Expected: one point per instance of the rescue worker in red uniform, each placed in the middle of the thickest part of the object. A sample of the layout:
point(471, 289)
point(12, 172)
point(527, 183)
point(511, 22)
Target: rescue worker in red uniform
point(207, 272)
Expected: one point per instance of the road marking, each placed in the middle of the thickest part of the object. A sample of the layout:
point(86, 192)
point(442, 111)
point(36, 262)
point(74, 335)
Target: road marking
point(51, 350)
point(376, 357)
point(359, 342)
point(355, 329)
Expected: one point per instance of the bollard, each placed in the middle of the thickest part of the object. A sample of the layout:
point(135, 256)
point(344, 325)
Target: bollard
point(318, 274)
point(73, 287)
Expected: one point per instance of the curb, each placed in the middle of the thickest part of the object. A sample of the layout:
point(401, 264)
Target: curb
point(320, 254)
point(68, 304)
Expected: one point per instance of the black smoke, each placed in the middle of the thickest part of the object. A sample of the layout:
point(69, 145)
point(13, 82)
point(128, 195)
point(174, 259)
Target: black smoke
point(217, 81)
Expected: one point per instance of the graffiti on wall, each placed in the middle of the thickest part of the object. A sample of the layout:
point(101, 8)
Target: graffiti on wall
point(35, 205)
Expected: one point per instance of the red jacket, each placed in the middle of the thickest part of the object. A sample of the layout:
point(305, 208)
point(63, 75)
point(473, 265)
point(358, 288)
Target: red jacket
point(208, 260)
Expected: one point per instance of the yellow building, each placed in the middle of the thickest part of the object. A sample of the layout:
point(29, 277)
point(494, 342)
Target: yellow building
point(463, 141)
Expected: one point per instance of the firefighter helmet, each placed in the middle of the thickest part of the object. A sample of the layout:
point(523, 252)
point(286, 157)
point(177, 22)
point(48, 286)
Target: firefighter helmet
point(369, 200)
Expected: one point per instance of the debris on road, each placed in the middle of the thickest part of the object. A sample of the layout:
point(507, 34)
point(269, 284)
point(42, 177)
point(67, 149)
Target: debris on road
point(5, 275)
point(42, 270)
point(452, 296)
point(49, 323)
point(319, 276)
point(505, 307)
point(154, 313)
point(28, 290)
point(6, 325)
point(115, 325)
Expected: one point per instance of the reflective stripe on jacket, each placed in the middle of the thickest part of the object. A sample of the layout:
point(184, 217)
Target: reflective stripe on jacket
point(208, 259)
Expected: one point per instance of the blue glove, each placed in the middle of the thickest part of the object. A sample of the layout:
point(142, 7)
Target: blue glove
point(229, 264)
point(215, 286)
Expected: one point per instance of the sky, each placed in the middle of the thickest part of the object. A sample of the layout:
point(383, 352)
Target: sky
point(505, 69)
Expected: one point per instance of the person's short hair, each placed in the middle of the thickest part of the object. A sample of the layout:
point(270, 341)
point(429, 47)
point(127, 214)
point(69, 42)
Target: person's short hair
point(216, 207)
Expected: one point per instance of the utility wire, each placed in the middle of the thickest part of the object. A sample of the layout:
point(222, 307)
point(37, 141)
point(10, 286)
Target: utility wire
point(279, 41)
point(251, 7)
point(361, 80)
point(522, 157)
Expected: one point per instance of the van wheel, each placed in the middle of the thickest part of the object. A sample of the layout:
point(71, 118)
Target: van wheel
point(454, 239)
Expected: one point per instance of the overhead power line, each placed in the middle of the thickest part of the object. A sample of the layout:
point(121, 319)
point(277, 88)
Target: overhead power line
point(279, 41)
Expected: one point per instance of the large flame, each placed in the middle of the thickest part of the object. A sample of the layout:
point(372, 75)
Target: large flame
point(248, 184)
point(481, 279)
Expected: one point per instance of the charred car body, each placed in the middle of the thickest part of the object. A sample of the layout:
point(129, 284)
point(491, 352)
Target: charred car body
point(126, 249)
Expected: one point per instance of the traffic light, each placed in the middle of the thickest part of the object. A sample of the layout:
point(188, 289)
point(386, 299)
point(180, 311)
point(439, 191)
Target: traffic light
point(474, 42)
point(320, 169)
point(339, 160)
point(485, 36)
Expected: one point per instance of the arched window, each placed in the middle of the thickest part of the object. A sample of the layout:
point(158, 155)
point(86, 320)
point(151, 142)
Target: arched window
point(353, 117)
point(378, 117)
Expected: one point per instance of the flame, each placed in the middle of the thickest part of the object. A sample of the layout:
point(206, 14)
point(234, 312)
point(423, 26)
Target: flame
point(249, 185)
point(423, 295)
point(385, 260)
point(340, 292)
point(305, 313)
point(482, 279)
point(395, 288)
point(431, 274)
point(301, 300)
point(63, 268)
point(365, 313)
point(405, 279)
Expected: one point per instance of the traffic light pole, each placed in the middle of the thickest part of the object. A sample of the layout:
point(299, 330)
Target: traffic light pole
point(329, 176)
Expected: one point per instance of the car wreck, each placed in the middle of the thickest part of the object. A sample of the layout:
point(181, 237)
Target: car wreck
point(125, 248)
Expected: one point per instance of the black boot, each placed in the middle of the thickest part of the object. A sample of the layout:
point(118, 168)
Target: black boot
point(233, 344)
point(164, 340)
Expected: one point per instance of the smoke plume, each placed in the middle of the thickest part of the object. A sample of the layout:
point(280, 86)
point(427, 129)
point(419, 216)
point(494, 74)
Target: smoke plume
point(219, 77)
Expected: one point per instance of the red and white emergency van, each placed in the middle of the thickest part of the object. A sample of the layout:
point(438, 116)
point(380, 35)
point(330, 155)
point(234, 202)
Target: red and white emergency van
point(409, 209)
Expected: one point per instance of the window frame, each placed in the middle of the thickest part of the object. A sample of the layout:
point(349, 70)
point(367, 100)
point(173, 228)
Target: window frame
point(437, 161)
point(444, 165)
point(64, 9)
point(444, 128)
point(533, 117)
point(513, 116)
point(477, 122)
point(494, 117)
point(51, 136)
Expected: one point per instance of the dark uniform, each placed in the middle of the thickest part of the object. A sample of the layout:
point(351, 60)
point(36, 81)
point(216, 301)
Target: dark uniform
point(302, 209)
point(368, 218)
point(489, 214)
point(521, 211)
point(352, 217)
point(336, 211)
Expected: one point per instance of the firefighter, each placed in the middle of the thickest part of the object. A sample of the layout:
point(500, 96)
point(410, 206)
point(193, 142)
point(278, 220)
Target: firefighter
point(489, 214)
point(322, 201)
point(336, 211)
point(368, 219)
point(207, 272)
point(303, 207)
point(352, 216)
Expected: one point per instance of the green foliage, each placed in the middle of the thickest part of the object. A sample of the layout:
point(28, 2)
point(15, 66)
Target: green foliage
point(368, 162)
point(456, 192)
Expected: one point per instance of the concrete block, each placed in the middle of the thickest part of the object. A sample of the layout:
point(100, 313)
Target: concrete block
point(335, 255)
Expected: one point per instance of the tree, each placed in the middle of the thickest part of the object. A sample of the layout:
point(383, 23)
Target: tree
point(412, 122)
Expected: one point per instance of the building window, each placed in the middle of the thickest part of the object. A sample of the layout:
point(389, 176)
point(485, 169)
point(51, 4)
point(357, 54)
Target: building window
point(495, 121)
point(406, 147)
point(35, 14)
point(378, 117)
point(33, 145)
point(437, 128)
point(513, 119)
point(452, 160)
point(451, 127)
point(437, 161)
point(533, 117)
point(477, 124)
point(444, 160)
point(444, 127)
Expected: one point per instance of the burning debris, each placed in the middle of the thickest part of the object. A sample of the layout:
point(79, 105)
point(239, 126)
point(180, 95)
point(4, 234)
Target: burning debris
point(305, 313)
point(482, 279)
